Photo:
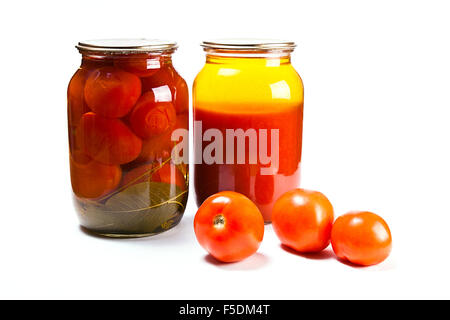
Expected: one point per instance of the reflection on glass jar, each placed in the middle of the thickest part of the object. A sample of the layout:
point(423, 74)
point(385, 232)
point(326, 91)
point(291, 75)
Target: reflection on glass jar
point(128, 122)
point(248, 113)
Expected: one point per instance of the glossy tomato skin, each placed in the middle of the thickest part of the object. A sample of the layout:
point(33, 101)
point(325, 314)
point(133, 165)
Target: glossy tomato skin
point(75, 97)
point(168, 78)
point(302, 220)
point(91, 179)
point(181, 94)
point(142, 65)
point(159, 148)
point(108, 141)
point(112, 92)
point(229, 226)
point(156, 148)
point(76, 104)
point(164, 77)
point(362, 238)
point(150, 118)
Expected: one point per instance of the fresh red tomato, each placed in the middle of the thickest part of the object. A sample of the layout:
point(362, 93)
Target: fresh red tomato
point(150, 118)
point(302, 220)
point(108, 141)
point(111, 92)
point(229, 226)
point(93, 179)
point(141, 65)
point(362, 238)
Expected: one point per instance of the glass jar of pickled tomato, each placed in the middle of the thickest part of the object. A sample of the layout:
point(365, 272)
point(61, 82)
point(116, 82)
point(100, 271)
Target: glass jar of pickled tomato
point(128, 122)
point(248, 115)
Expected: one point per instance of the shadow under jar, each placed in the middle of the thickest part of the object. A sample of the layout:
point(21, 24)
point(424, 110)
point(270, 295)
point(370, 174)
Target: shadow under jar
point(248, 113)
point(128, 139)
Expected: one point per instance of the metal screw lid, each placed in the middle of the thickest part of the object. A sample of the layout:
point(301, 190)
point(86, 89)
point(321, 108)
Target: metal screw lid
point(249, 45)
point(126, 46)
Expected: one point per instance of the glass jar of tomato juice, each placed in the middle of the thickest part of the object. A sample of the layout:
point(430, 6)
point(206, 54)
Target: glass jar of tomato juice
point(248, 115)
point(128, 122)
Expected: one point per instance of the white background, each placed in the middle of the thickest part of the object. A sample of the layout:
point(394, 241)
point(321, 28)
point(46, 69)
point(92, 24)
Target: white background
point(376, 137)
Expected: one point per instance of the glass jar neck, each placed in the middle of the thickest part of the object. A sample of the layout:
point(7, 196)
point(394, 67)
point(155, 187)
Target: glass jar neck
point(254, 58)
point(160, 58)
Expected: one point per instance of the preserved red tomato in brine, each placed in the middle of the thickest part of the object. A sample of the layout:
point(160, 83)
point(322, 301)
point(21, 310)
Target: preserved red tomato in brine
point(122, 134)
point(75, 97)
point(93, 179)
point(168, 78)
point(160, 147)
point(142, 65)
point(111, 92)
point(150, 118)
point(108, 141)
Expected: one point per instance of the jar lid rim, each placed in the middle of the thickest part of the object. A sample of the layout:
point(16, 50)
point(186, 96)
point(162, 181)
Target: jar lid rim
point(248, 44)
point(126, 45)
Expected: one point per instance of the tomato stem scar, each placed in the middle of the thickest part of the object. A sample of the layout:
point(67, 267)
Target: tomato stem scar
point(219, 221)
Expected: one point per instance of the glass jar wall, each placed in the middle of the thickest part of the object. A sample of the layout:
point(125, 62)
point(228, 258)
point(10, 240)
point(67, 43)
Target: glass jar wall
point(128, 122)
point(248, 113)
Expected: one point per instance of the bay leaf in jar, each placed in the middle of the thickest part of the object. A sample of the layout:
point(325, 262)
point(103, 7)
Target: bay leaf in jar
point(143, 208)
